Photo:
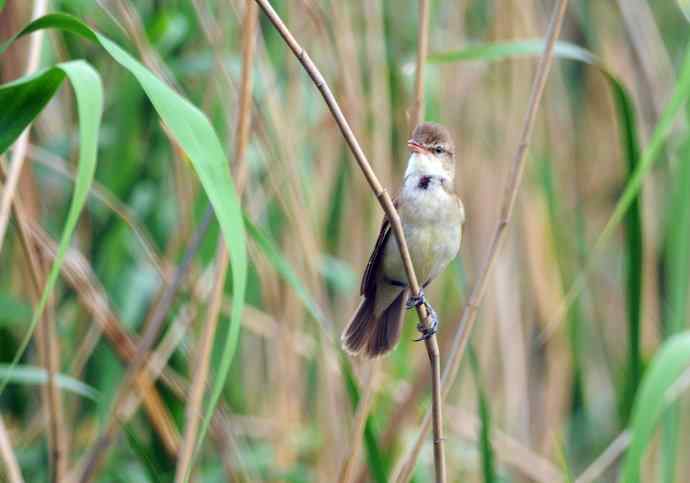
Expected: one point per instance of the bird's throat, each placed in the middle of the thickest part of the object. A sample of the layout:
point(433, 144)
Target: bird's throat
point(427, 165)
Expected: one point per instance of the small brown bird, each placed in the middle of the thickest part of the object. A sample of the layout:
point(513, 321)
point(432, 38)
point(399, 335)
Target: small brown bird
point(432, 216)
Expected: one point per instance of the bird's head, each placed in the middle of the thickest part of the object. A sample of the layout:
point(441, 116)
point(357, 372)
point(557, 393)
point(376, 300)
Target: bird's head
point(432, 151)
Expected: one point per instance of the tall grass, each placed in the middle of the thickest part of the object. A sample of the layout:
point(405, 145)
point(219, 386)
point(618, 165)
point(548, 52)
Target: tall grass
point(581, 347)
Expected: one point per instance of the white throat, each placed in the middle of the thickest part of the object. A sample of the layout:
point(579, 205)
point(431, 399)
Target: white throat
point(426, 165)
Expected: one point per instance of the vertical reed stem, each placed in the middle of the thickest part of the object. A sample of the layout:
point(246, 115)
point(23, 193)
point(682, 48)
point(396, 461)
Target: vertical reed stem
point(422, 49)
point(14, 475)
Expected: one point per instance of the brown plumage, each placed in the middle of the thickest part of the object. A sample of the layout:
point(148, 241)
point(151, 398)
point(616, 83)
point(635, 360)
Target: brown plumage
point(432, 216)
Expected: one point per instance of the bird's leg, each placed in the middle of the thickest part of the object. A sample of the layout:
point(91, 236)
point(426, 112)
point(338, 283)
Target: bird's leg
point(415, 301)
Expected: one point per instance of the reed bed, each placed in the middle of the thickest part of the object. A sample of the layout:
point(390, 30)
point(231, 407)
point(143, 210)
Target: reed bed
point(188, 328)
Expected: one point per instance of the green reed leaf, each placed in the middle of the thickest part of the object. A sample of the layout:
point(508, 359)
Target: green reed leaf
point(672, 360)
point(21, 108)
point(20, 374)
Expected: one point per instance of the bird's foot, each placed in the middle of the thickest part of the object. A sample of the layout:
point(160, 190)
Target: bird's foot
point(432, 318)
point(415, 301)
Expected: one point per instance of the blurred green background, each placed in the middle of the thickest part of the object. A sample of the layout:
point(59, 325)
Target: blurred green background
point(581, 344)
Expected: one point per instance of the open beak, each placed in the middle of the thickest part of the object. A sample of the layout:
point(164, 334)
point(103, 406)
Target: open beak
point(414, 146)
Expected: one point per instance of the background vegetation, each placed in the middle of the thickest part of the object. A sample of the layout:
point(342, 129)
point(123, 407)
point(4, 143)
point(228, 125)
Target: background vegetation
point(581, 346)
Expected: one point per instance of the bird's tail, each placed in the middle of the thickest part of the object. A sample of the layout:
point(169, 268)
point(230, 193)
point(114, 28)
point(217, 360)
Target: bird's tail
point(375, 336)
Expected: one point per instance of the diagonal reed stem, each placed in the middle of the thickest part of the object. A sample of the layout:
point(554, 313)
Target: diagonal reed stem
point(140, 357)
point(469, 314)
point(194, 406)
point(390, 211)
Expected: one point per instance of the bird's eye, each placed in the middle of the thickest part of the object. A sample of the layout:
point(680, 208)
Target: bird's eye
point(438, 150)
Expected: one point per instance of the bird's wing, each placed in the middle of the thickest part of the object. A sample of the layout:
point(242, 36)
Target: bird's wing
point(368, 286)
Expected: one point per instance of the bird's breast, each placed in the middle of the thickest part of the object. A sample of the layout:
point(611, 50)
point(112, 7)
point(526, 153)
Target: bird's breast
point(432, 222)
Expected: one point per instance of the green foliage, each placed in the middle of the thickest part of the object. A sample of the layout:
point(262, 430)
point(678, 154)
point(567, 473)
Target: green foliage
point(19, 374)
point(654, 395)
point(676, 260)
point(13, 311)
point(378, 466)
point(485, 445)
point(23, 100)
point(281, 265)
point(199, 142)
point(652, 151)
point(275, 376)
point(37, 90)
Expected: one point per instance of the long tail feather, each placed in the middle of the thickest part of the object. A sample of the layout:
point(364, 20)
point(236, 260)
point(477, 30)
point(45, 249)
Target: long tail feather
point(357, 331)
point(386, 330)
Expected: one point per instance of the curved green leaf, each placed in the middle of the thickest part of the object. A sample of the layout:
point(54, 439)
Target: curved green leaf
point(196, 137)
point(89, 95)
point(23, 99)
point(670, 362)
point(651, 152)
point(508, 50)
point(37, 375)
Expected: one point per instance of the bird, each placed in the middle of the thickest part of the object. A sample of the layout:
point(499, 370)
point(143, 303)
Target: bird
point(432, 216)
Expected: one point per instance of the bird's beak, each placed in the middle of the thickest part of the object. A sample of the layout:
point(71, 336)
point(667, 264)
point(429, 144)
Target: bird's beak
point(415, 147)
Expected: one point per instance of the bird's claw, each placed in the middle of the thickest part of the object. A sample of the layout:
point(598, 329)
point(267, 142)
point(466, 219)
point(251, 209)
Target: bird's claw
point(416, 300)
point(432, 318)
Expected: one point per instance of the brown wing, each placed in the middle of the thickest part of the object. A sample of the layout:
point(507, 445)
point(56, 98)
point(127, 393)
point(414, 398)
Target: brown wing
point(368, 286)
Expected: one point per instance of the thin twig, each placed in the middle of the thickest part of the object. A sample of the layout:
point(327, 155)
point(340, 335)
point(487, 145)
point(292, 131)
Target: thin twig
point(77, 272)
point(508, 449)
point(36, 276)
point(14, 475)
point(422, 48)
point(195, 403)
point(74, 270)
point(251, 17)
point(112, 202)
point(605, 459)
point(390, 211)
point(56, 417)
point(193, 410)
point(145, 343)
point(469, 314)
